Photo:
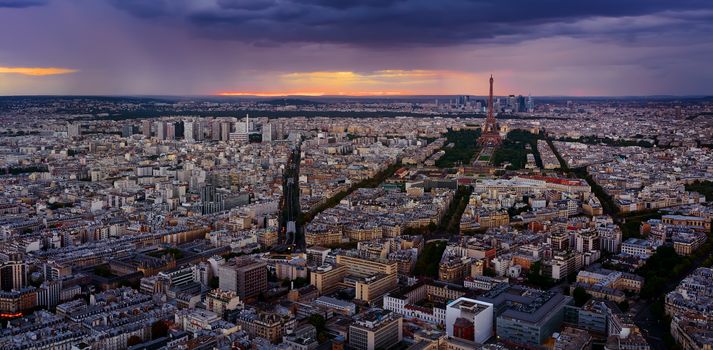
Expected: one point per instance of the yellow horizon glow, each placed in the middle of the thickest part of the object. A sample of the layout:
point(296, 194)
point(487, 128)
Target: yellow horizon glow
point(385, 82)
point(311, 93)
point(37, 71)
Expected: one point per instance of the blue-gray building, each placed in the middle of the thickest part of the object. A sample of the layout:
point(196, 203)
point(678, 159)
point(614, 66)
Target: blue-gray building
point(524, 316)
point(593, 316)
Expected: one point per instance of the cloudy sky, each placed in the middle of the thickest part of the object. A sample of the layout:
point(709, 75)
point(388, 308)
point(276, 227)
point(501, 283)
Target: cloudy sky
point(352, 47)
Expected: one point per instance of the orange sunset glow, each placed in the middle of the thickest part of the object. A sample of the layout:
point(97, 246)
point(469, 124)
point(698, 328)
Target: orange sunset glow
point(36, 71)
point(296, 93)
point(384, 82)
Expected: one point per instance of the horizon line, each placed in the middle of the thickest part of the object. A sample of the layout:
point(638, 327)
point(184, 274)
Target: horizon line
point(239, 96)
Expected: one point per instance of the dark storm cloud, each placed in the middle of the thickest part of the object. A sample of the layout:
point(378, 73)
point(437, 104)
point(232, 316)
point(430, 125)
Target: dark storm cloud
point(547, 47)
point(21, 3)
point(416, 22)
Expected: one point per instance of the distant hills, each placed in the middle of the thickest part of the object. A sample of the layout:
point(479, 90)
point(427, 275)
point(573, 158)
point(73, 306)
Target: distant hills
point(290, 102)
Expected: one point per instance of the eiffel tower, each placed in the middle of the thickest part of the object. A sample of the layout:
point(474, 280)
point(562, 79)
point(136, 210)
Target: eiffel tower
point(490, 136)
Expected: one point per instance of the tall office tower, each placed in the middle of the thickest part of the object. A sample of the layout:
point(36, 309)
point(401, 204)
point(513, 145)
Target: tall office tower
point(180, 130)
point(161, 130)
point(127, 130)
point(268, 132)
point(215, 130)
point(198, 133)
point(512, 103)
point(245, 276)
point(189, 131)
point(240, 135)
point(224, 131)
point(247, 123)
point(170, 131)
point(13, 271)
point(277, 127)
point(74, 130)
point(212, 201)
point(530, 104)
point(146, 128)
point(240, 127)
point(521, 105)
point(490, 136)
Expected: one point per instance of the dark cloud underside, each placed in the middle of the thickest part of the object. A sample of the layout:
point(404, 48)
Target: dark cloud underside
point(406, 22)
point(21, 3)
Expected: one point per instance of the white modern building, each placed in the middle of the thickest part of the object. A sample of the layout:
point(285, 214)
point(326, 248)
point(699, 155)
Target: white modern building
point(466, 317)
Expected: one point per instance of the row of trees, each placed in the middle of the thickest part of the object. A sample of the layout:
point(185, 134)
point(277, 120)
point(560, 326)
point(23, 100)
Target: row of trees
point(366, 183)
point(24, 169)
point(665, 266)
point(608, 204)
point(594, 140)
point(463, 150)
point(703, 187)
point(451, 220)
point(430, 257)
point(513, 149)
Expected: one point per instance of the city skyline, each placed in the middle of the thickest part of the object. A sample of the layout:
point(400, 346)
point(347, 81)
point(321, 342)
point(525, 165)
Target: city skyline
point(356, 174)
point(356, 223)
point(315, 48)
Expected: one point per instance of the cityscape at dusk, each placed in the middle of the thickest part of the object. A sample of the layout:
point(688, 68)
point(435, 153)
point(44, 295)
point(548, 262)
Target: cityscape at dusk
point(356, 175)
